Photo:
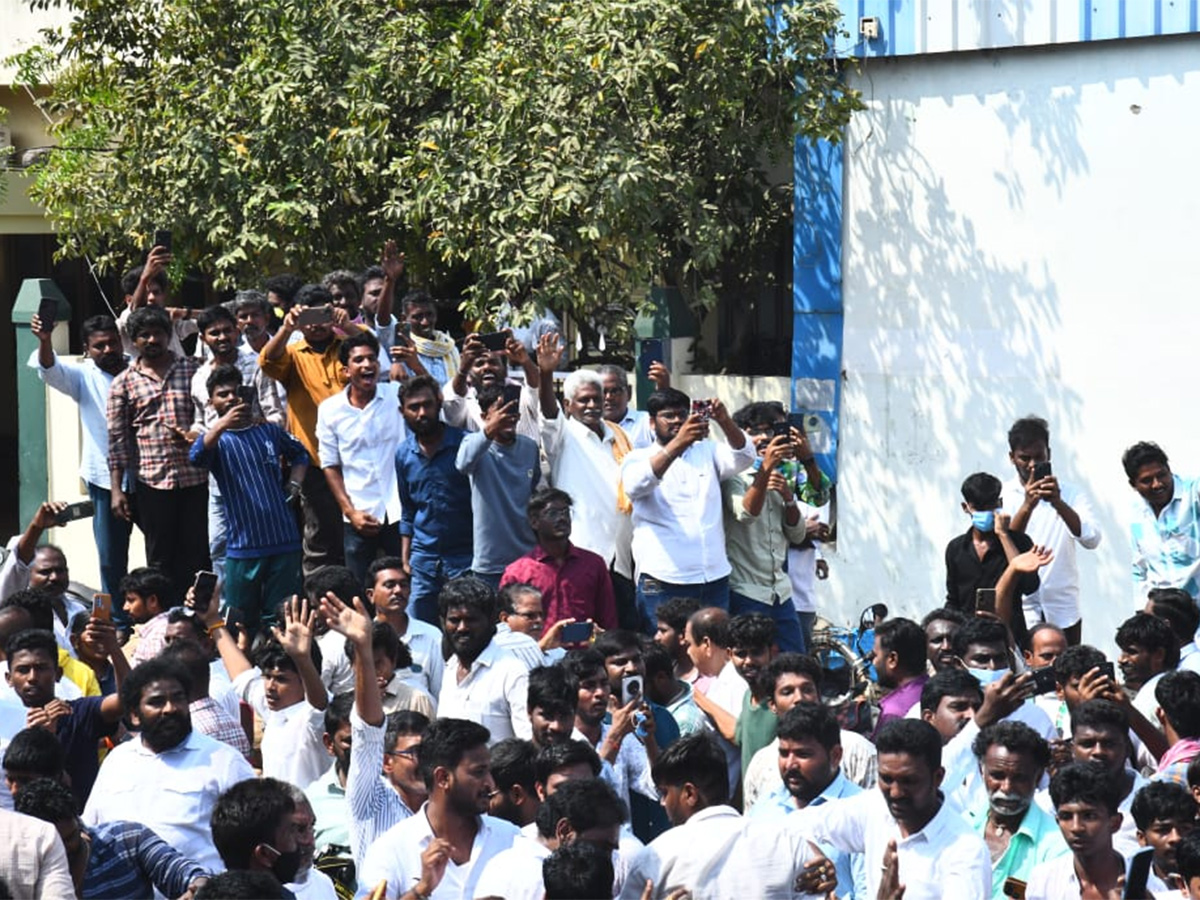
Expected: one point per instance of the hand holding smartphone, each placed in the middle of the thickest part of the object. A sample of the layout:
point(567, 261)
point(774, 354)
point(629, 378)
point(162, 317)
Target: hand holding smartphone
point(203, 589)
point(102, 607)
point(576, 633)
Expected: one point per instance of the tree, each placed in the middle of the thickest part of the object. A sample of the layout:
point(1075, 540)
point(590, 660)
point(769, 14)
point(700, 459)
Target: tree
point(569, 152)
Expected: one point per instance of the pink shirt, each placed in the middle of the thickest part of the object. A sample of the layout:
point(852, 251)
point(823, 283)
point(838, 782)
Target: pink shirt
point(580, 588)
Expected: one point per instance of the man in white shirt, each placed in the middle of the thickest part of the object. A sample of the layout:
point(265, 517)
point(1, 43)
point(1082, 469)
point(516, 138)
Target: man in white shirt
point(33, 862)
point(721, 698)
point(1085, 802)
point(584, 810)
point(675, 488)
point(1055, 515)
point(388, 587)
point(87, 382)
point(936, 852)
point(712, 851)
point(479, 367)
point(440, 852)
point(359, 430)
point(170, 775)
point(482, 682)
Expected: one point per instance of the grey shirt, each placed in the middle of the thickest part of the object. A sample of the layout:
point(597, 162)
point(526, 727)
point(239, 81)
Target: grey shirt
point(502, 480)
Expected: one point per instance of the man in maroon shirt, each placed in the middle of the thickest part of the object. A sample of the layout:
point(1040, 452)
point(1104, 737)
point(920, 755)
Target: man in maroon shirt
point(574, 582)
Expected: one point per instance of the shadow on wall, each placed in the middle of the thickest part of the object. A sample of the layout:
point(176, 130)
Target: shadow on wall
point(948, 339)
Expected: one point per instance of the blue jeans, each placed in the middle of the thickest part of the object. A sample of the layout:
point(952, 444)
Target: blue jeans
point(112, 544)
point(651, 593)
point(806, 628)
point(362, 550)
point(429, 573)
point(216, 528)
point(787, 623)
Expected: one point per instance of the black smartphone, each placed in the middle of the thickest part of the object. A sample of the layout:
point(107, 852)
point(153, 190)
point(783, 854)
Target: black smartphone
point(162, 238)
point(85, 509)
point(495, 340)
point(315, 315)
point(796, 420)
point(1111, 671)
point(576, 633)
point(781, 429)
point(48, 312)
point(511, 393)
point(652, 352)
point(985, 600)
point(1041, 470)
point(1138, 875)
point(246, 394)
point(203, 589)
point(1044, 681)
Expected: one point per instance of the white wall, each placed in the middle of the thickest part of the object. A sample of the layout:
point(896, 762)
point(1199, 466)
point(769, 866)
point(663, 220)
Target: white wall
point(1020, 236)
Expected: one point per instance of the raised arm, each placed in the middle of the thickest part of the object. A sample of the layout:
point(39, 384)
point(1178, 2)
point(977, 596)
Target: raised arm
point(353, 623)
point(275, 347)
point(392, 263)
point(549, 353)
point(296, 638)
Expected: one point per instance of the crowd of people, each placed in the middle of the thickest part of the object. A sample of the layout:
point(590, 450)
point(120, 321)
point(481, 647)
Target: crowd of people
point(414, 626)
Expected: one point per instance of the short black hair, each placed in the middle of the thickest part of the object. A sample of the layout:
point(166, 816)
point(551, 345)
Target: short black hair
point(617, 641)
point(585, 803)
point(38, 602)
point(129, 281)
point(752, 631)
point(982, 491)
point(353, 341)
point(192, 657)
point(811, 720)
point(1016, 737)
point(96, 325)
point(210, 314)
point(1187, 857)
point(47, 799)
point(1097, 714)
point(312, 295)
point(385, 641)
point(580, 663)
point(1077, 661)
point(381, 564)
point(943, 614)
point(417, 298)
point(694, 759)
point(578, 871)
point(417, 384)
point(155, 669)
point(149, 318)
point(222, 375)
point(336, 580)
point(1149, 632)
point(467, 592)
point(186, 614)
point(1178, 694)
point(507, 595)
point(569, 753)
point(241, 884)
point(149, 581)
point(906, 639)
point(403, 723)
point(675, 612)
point(1085, 782)
point(1162, 801)
point(949, 683)
point(32, 640)
point(789, 664)
point(978, 631)
point(551, 690)
point(270, 655)
point(343, 278)
point(512, 763)
point(444, 744)
point(711, 622)
point(1143, 453)
point(1176, 607)
point(657, 661)
point(759, 413)
point(337, 712)
point(35, 751)
point(284, 286)
point(248, 814)
point(1028, 431)
point(912, 737)
point(543, 497)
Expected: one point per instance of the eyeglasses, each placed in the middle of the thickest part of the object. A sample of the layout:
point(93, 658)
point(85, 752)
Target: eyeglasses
point(532, 616)
point(411, 753)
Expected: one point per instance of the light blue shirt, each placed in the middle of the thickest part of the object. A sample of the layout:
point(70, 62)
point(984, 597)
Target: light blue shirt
point(502, 480)
point(851, 871)
point(1166, 547)
point(637, 426)
point(87, 384)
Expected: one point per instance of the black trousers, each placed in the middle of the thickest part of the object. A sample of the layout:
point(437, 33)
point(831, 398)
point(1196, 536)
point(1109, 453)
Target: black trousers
point(175, 526)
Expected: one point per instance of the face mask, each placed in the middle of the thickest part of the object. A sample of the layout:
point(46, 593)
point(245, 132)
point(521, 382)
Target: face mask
point(987, 676)
point(1003, 804)
point(984, 521)
point(286, 865)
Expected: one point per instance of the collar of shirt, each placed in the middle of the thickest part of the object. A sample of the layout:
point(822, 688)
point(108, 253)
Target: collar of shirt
point(935, 829)
point(188, 744)
point(486, 657)
point(540, 554)
point(835, 790)
point(139, 365)
point(714, 812)
point(330, 783)
point(582, 431)
point(1032, 825)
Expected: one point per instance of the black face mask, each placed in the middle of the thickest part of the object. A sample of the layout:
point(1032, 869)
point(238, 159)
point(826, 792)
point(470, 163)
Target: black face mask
point(286, 865)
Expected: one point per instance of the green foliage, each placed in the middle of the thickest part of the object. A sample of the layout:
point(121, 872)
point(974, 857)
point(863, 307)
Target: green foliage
point(567, 152)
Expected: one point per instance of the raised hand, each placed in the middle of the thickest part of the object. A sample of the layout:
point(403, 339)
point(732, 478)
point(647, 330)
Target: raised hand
point(1031, 560)
point(550, 350)
point(297, 633)
point(47, 514)
point(434, 860)
point(391, 261)
point(350, 621)
point(659, 374)
point(890, 887)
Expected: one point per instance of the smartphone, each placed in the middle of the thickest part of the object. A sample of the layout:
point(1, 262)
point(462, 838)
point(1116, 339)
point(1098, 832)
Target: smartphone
point(577, 633)
point(511, 393)
point(85, 509)
point(48, 312)
point(1111, 671)
point(246, 394)
point(1015, 888)
point(162, 238)
point(1044, 681)
point(631, 689)
point(652, 352)
point(702, 408)
point(781, 429)
point(985, 600)
point(1138, 875)
point(315, 315)
point(495, 340)
point(203, 589)
point(102, 607)
point(1041, 470)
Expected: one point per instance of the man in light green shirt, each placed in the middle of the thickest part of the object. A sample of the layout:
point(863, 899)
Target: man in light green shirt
point(1019, 833)
point(762, 517)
